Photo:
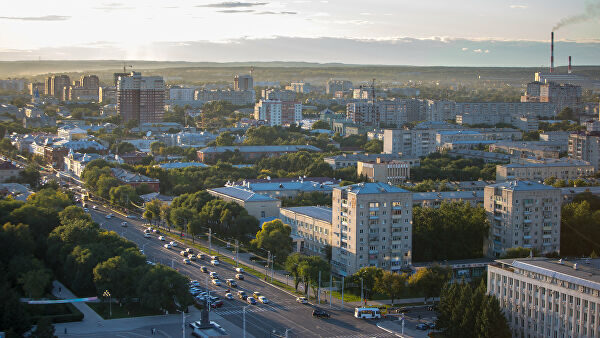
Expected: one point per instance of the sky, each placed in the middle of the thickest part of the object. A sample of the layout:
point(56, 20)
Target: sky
point(425, 32)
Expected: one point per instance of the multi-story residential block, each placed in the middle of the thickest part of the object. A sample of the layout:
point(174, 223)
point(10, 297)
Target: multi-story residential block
point(277, 113)
point(299, 87)
point(385, 113)
point(562, 95)
point(243, 83)
point(372, 226)
point(539, 149)
point(486, 156)
point(522, 214)
point(236, 97)
point(55, 85)
point(257, 205)
point(585, 146)
point(177, 93)
point(555, 136)
point(8, 171)
point(543, 297)
point(338, 86)
point(311, 228)
point(107, 94)
point(75, 162)
point(392, 172)
point(141, 98)
point(13, 84)
point(540, 169)
point(278, 94)
point(87, 88)
point(351, 160)
point(286, 189)
point(36, 87)
point(569, 193)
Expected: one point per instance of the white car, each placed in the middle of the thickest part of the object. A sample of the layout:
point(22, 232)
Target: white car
point(263, 299)
point(109, 216)
point(124, 223)
point(167, 246)
point(147, 235)
point(229, 296)
point(216, 282)
point(186, 261)
point(173, 244)
point(214, 262)
point(302, 300)
point(162, 238)
point(86, 209)
point(95, 207)
point(239, 270)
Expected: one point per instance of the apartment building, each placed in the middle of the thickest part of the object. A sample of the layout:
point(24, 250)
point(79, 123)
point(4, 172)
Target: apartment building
point(338, 86)
point(277, 113)
point(140, 98)
point(522, 214)
point(562, 95)
point(257, 205)
point(372, 226)
point(311, 228)
point(539, 170)
point(236, 97)
point(36, 87)
point(543, 297)
point(539, 149)
point(351, 160)
point(392, 172)
point(177, 93)
point(585, 146)
point(243, 82)
point(386, 113)
point(8, 171)
point(278, 94)
point(299, 87)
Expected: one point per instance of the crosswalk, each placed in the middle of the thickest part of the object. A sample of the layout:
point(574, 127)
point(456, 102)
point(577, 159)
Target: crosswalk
point(238, 310)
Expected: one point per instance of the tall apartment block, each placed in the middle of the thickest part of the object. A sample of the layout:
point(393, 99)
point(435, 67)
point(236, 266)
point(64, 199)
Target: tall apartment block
point(243, 82)
point(277, 113)
point(140, 98)
point(522, 214)
point(337, 86)
point(372, 226)
point(393, 113)
point(55, 85)
point(585, 146)
point(542, 297)
point(563, 95)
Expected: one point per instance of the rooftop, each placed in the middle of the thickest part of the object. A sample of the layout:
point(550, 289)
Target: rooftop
point(242, 194)
point(322, 213)
point(559, 163)
point(421, 196)
point(372, 188)
point(298, 185)
point(522, 186)
point(259, 149)
point(458, 132)
point(179, 165)
point(129, 177)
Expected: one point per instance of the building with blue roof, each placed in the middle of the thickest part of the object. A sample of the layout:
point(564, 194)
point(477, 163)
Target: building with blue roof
point(540, 169)
point(522, 214)
point(288, 189)
point(311, 228)
point(181, 165)
point(257, 205)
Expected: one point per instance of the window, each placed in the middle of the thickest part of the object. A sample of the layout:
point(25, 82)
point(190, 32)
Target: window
point(373, 204)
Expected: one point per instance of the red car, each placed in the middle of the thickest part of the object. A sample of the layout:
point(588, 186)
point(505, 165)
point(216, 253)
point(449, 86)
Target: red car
point(216, 304)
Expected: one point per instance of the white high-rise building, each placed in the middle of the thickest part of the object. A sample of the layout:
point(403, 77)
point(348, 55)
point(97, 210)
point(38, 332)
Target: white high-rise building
point(277, 113)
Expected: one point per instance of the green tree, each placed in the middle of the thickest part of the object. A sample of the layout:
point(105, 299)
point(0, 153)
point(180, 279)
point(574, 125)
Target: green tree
point(122, 148)
point(391, 284)
point(225, 139)
point(104, 184)
point(429, 281)
point(43, 329)
point(161, 286)
point(35, 282)
point(369, 276)
point(310, 267)
point(116, 276)
point(123, 195)
point(320, 125)
point(275, 237)
point(292, 264)
point(152, 212)
point(566, 114)
point(181, 216)
point(520, 252)
point(490, 321)
point(580, 225)
point(30, 175)
point(73, 212)
point(374, 146)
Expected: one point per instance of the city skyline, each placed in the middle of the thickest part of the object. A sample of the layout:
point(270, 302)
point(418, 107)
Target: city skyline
point(465, 32)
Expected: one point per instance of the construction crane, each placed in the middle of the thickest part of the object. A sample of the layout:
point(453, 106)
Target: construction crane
point(373, 90)
point(125, 66)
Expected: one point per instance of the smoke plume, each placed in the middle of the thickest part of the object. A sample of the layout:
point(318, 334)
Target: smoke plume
point(592, 11)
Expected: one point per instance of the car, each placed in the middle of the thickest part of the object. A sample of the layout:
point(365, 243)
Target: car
point(147, 231)
point(167, 246)
point(195, 325)
point(242, 295)
point(162, 238)
point(263, 299)
point(239, 276)
point(95, 207)
point(231, 283)
point(192, 257)
point(214, 262)
point(189, 250)
point(403, 310)
point(201, 256)
point(320, 313)
point(251, 300)
point(147, 235)
point(173, 243)
point(86, 209)
point(216, 282)
point(131, 216)
point(215, 276)
point(194, 283)
point(195, 291)
point(302, 300)
point(216, 304)
point(109, 216)
point(422, 326)
point(239, 270)
point(183, 253)
point(431, 325)
point(186, 261)
point(256, 294)
point(124, 223)
point(215, 258)
point(150, 263)
point(155, 231)
point(229, 296)
point(203, 269)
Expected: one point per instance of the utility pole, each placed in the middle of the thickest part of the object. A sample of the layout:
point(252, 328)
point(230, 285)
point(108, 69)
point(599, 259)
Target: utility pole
point(319, 288)
point(183, 322)
point(209, 241)
point(361, 291)
point(237, 252)
point(272, 267)
point(342, 292)
point(330, 287)
point(267, 266)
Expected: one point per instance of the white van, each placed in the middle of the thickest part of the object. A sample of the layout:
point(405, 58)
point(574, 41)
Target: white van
point(367, 313)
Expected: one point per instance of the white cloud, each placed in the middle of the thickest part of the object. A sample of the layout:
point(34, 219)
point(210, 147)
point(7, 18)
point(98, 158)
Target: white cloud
point(487, 51)
point(464, 49)
point(478, 50)
point(518, 6)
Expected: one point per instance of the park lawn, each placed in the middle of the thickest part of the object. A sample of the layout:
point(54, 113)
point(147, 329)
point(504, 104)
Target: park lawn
point(128, 310)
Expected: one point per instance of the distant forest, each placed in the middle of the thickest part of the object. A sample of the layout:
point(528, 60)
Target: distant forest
point(198, 73)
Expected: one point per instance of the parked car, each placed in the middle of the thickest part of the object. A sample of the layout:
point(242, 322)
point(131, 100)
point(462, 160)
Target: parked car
point(263, 299)
point(203, 269)
point(320, 313)
point(229, 296)
point(239, 276)
point(195, 283)
point(422, 326)
point(302, 300)
point(251, 300)
point(242, 295)
point(239, 270)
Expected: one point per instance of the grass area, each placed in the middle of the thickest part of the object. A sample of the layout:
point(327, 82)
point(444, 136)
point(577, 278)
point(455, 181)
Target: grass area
point(58, 313)
point(126, 311)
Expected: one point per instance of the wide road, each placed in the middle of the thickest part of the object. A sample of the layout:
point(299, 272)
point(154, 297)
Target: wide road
point(282, 312)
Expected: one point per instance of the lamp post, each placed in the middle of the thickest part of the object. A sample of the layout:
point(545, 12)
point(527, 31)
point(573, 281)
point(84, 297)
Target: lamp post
point(182, 322)
point(107, 294)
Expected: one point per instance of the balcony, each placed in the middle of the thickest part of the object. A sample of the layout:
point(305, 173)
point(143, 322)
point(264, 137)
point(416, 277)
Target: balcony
point(373, 217)
point(344, 214)
point(374, 209)
point(526, 221)
point(373, 252)
point(547, 228)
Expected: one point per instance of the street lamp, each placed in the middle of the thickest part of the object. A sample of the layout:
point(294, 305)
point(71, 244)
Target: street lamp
point(107, 294)
point(182, 322)
point(244, 319)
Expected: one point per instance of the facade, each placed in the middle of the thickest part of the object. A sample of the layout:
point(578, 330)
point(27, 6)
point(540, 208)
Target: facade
point(36, 87)
point(287, 189)
point(562, 95)
point(55, 85)
point(543, 297)
point(251, 153)
point(539, 170)
point(257, 205)
point(236, 97)
point(486, 156)
point(538, 149)
point(243, 82)
point(585, 146)
point(299, 87)
point(311, 228)
point(107, 94)
point(372, 226)
point(140, 98)
point(392, 172)
point(87, 88)
point(338, 86)
point(409, 142)
point(391, 113)
point(435, 199)
point(75, 162)
point(177, 93)
point(278, 94)
point(8, 171)
point(351, 160)
point(277, 113)
point(522, 214)
point(135, 179)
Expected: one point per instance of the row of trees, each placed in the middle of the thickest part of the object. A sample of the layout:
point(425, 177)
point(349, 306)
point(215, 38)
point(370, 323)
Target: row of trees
point(98, 179)
point(580, 226)
point(442, 166)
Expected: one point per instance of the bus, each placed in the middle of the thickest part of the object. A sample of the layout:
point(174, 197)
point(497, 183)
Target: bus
point(367, 313)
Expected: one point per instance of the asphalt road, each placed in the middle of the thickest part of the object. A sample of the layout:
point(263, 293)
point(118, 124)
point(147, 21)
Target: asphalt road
point(282, 312)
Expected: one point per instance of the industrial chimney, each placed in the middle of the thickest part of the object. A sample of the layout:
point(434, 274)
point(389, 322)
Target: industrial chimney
point(570, 68)
point(552, 52)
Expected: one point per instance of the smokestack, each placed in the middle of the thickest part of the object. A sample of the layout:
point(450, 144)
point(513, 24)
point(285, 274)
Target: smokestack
point(552, 52)
point(570, 68)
